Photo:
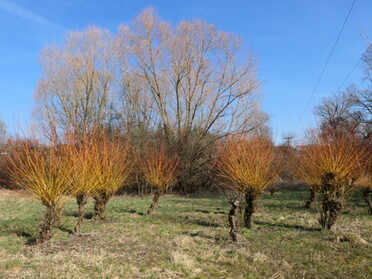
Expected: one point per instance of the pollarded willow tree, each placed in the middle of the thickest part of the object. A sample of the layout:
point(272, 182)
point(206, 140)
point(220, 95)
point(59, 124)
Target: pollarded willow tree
point(330, 165)
point(113, 169)
point(44, 172)
point(160, 170)
point(83, 155)
point(246, 166)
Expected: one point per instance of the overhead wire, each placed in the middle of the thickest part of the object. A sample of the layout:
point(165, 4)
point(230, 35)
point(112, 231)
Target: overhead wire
point(326, 64)
point(349, 74)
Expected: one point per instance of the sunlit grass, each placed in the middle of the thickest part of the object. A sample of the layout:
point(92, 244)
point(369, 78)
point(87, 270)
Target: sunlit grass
point(187, 237)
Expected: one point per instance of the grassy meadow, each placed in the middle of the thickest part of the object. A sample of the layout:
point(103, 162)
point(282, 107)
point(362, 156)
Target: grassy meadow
point(187, 237)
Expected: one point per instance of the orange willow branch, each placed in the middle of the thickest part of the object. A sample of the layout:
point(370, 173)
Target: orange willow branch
point(159, 170)
point(330, 165)
point(247, 166)
point(45, 172)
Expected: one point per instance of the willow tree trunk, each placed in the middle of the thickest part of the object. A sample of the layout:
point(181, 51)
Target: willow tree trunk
point(81, 201)
point(233, 220)
point(366, 197)
point(100, 205)
point(311, 199)
point(49, 223)
point(335, 207)
point(250, 208)
point(331, 203)
point(157, 194)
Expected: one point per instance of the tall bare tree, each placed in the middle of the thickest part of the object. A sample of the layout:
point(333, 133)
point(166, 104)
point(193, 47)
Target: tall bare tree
point(75, 91)
point(190, 82)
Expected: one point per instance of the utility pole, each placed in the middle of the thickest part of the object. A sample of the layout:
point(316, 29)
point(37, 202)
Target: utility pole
point(288, 139)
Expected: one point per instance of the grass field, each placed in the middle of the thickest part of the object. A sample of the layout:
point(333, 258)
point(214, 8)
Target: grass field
point(187, 237)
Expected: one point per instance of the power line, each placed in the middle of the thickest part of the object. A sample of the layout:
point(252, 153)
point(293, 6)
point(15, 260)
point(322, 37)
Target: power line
point(349, 74)
point(326, 64)
point(352, 70)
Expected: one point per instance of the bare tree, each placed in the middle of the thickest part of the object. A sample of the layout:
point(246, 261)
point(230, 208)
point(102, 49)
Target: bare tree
point(190, 76)
point(191, 83)
point(75, 91)
point(336, 114)
point(362, 99)
point(350, 110)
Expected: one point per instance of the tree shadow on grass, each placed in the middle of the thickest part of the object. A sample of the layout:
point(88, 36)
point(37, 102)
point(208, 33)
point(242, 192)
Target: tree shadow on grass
point(296, 206)
point(126, 210)
point(88, 215)
point(287, 226)
point(203, 223)
point(198, 234)
point(30, 239)
point(203, 211)
point(65, 229)
point(219, 211)
point(71, 214)
point(132, 211)
point(206, 224)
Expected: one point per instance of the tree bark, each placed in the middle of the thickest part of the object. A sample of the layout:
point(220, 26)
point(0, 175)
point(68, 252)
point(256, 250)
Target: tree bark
point(250, 207)
point(81, 201)
point(101, 201)
point(233, 220)
point(324, 212)
point(49, 223)
point(366, 197)
point(331, 203)
point(335, 208)
point(311, 199)
point(157, 194)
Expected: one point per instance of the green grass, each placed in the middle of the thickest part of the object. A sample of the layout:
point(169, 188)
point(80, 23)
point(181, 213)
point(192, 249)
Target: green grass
point(187, 237)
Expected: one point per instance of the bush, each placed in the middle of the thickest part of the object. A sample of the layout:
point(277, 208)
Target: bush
point(330, 165)
point(247, 166)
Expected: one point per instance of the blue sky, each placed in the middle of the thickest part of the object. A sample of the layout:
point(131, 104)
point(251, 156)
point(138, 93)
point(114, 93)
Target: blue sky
point(291, 38)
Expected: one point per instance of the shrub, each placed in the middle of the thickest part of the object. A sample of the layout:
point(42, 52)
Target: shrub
point(113, 170)
point(44, 172)
point(84, 155)
point(330, 165)
point(159, 170)
point(246, 167)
